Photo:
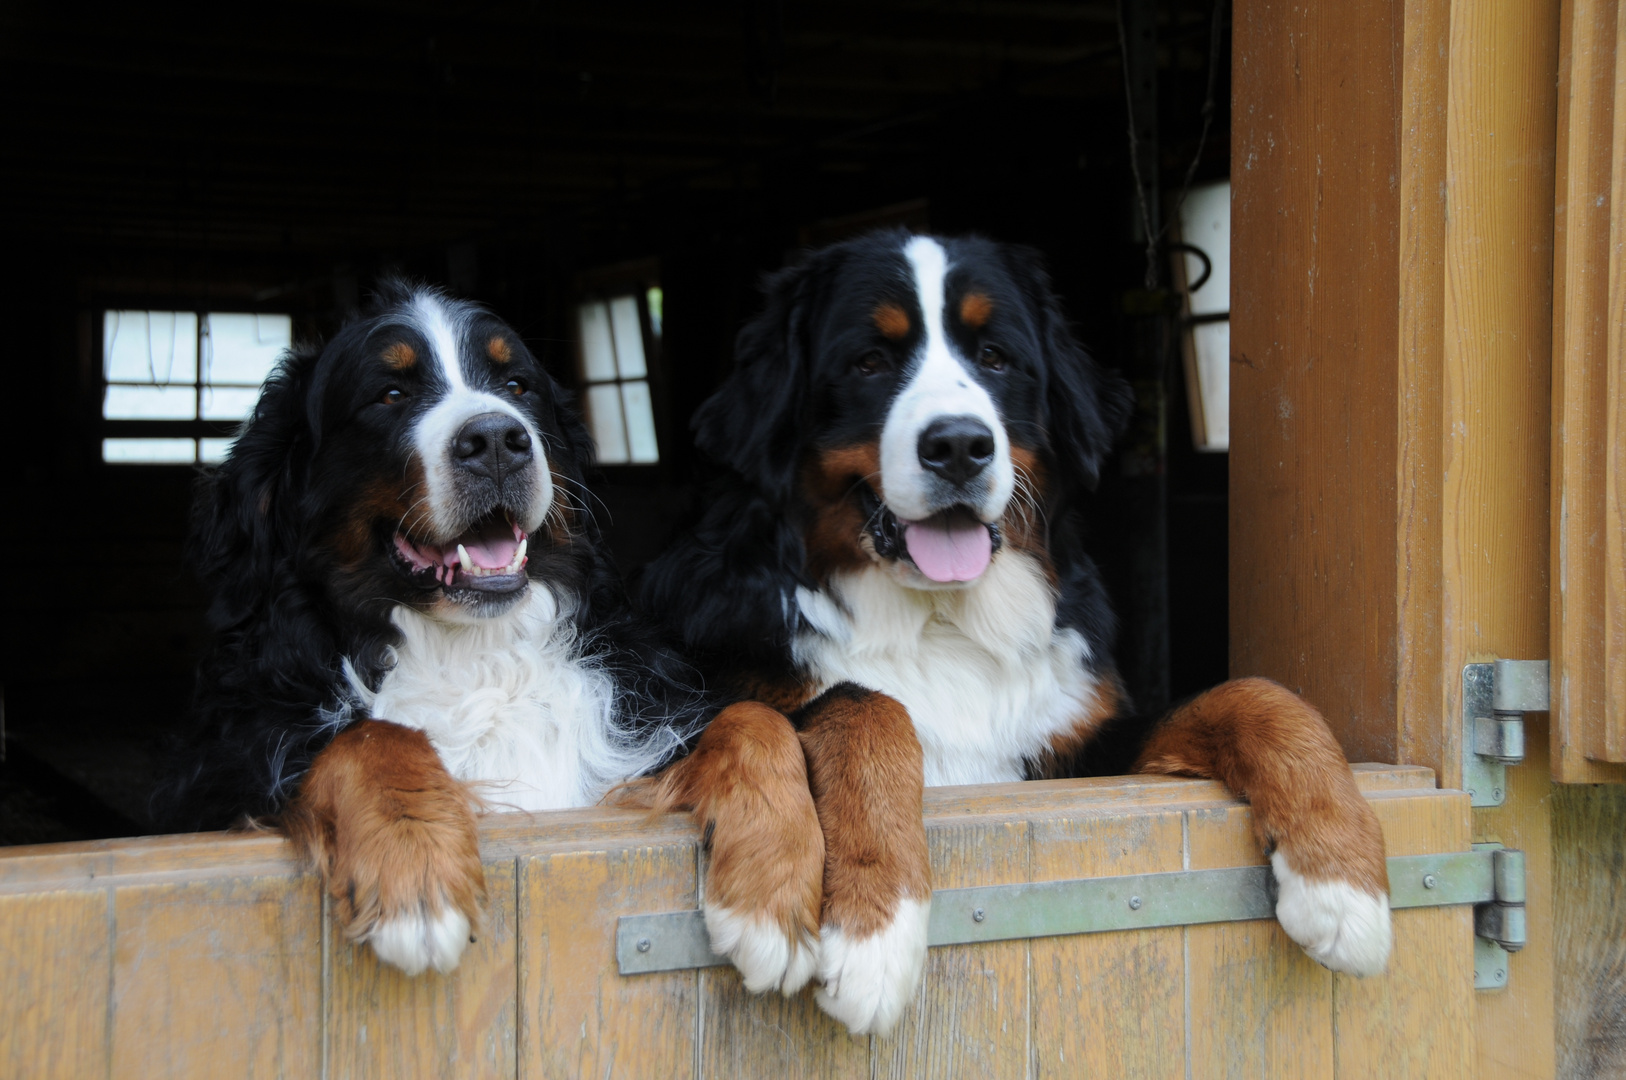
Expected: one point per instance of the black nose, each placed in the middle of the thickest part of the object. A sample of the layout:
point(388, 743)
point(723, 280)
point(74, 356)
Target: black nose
point(492, 444)
point(956, 448)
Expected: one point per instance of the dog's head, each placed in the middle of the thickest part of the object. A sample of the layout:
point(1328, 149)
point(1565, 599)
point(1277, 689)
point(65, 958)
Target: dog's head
point(421, 457)
point(921, 396)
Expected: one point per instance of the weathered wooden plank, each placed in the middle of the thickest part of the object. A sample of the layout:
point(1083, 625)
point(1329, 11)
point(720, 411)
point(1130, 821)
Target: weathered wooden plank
point(55, 950)
point(579, 1017)
point(1585, 601)
point(1109, 1004)
point(1589, 943)
point(1417, 1019)
point(217, 978)
point(971, 1015)
point(1259, 1006)
point(1614, 511)
point(383, 1023)
point(771, 1035)
point(1314, 332)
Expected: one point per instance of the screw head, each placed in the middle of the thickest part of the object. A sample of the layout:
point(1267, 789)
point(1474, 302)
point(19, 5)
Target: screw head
point(1134, 903)
point(978, 915)
point(1496, 793)
point(643, 944)
point(1429, 881)
point(1500, 974)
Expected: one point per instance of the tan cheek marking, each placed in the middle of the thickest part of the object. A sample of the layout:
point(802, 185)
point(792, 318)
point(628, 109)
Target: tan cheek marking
point(497, 348)
point(975, 309)
point(400, 356)
point(892, 321)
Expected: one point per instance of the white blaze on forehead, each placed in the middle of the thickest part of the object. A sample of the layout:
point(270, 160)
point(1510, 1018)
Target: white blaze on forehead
point(458, 403)
point(439, 328)
point(940, 385)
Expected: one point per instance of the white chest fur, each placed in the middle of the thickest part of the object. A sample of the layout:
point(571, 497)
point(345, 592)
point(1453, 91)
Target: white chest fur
point(509, 703)
point(987, 678)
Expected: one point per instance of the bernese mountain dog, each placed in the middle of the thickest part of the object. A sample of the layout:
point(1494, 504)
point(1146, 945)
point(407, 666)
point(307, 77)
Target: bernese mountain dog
point(890, 567)
point(413, 615)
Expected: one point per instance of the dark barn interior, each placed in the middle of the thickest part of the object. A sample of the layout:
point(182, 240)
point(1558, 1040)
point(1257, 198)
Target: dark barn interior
point(528, 156)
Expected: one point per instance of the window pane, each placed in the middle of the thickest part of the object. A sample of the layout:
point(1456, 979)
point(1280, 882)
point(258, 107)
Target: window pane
point(640, 422)
point(150, 346)
point(1213, 346)
point(242, 348)
point(604, 419)
point(150, 403)
point(598, 354)
point(1205, 222)
point(213, 451)
point(629, 337)
point(229, 402)
point(657, 304)
point(148, 451)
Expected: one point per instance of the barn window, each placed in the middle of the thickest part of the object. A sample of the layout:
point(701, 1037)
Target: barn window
point(177, 383)
point(617, 336)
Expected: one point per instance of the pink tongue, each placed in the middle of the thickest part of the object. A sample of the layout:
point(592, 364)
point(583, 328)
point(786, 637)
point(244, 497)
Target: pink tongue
point(492, 553)
point(954, 550)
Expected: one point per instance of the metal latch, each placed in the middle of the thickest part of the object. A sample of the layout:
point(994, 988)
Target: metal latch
point(1499, 922)
point(1495, 698)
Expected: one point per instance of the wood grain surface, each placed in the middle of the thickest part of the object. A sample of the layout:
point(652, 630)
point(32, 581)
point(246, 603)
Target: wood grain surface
point(176, 962)
point(1589, 322)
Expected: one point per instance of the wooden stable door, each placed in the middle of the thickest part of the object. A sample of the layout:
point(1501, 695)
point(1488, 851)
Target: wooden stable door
point(1104, 928)
point(1428, 313)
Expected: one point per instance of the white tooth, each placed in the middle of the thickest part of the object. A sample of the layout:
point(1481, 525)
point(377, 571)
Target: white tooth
point(519, 554)
point(463, 558)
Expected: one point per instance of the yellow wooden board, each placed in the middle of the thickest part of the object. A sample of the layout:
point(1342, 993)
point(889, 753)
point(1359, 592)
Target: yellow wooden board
point(216, 972)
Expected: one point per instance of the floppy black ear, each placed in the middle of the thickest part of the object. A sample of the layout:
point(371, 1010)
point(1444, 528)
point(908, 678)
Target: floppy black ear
point(246, 519)
point(755, 423)
point(1087, 407)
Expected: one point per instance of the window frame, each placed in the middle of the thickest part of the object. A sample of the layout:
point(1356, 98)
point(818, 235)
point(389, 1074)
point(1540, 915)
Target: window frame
point(94, 381)
point(604, 285)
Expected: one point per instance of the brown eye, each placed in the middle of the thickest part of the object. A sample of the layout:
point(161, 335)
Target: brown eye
point(392, 396)
point(514, 386)
point(991, 358)
point(871, 362)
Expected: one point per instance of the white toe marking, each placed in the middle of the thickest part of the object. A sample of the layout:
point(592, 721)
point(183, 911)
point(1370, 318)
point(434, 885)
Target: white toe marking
point(868, 980)
point(766, 959)
point(1338, 924)
point(418, 940)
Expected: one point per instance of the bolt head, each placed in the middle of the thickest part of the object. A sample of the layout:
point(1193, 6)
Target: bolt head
point(1429, 881)
point(1134, 903)
point(643, 944)
point(978, 915)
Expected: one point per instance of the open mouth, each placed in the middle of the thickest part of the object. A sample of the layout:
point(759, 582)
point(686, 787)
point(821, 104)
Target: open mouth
point(950, 545)
point(488, 557)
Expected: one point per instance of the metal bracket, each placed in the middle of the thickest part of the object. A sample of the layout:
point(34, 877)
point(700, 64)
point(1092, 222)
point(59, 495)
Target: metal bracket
point(1495, 698)
point(1499, 927)
point(677, 940)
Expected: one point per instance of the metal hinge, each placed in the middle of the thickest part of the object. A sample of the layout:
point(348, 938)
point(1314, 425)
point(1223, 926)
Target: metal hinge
point(1495, 698)
point(1489, 877)
point(1499, 921)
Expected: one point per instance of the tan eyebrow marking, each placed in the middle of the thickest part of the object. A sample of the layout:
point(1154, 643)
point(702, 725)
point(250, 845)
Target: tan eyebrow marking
point(399, 356)
point(498, 350)
point(975, 309)
point(891, 320)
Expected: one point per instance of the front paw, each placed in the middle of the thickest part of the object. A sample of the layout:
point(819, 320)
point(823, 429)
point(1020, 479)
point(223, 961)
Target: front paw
point(412, 889)
point(1338, 923)
point(768, 958)
point(393, 835)
point(868, 978)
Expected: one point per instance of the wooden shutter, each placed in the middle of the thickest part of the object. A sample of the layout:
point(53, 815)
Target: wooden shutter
point(1589, 406)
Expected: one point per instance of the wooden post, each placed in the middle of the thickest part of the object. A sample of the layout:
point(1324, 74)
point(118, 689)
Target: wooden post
point(1391, 336)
